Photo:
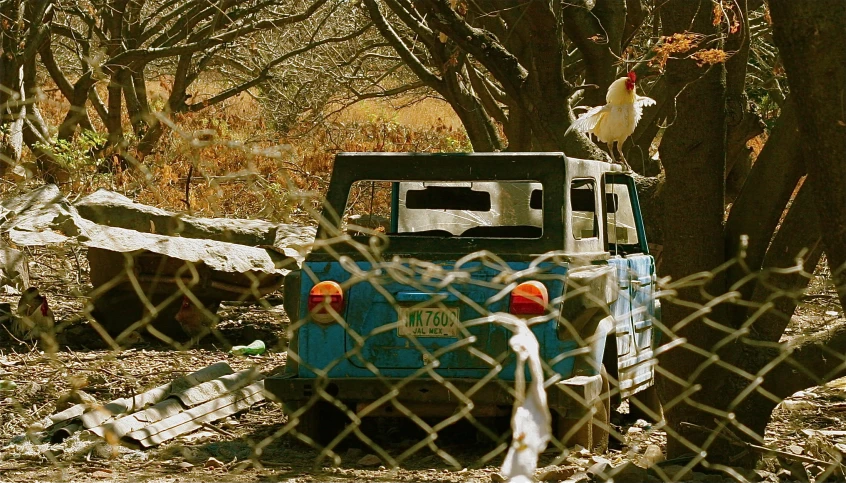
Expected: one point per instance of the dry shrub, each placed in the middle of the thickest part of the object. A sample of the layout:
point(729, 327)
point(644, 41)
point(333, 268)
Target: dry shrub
point(410, 112)
point(675, 44)
point(241, 167)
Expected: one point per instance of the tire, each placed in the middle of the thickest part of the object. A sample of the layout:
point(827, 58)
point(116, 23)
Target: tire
point(321, 422)
point(646, 405)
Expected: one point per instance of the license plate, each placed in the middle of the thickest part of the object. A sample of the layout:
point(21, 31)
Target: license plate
point(428, 322)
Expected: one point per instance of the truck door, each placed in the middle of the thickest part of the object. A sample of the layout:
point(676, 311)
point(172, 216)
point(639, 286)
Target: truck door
point(627, 240)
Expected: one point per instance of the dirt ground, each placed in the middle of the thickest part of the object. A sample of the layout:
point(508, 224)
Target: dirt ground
point(808, 424)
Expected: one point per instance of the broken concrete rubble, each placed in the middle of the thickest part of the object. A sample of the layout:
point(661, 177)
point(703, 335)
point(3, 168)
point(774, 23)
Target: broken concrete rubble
point(139, 273)
point(113, 209)
point(14, 270)
point(43, 217)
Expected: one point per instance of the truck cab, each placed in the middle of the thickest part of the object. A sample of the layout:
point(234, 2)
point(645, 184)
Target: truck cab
point(397, 310)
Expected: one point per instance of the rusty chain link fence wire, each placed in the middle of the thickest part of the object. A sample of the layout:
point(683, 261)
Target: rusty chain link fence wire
point(140, 343)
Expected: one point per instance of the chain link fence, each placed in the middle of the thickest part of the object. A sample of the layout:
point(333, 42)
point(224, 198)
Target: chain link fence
point(140, 343)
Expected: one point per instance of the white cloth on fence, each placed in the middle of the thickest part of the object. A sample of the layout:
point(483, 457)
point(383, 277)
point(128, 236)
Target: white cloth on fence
point(531, 421)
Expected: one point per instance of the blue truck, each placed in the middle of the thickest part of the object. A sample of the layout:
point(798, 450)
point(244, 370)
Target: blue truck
point(396, 310)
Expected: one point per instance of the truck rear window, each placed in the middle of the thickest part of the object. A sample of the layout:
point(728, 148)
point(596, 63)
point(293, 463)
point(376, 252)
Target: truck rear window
point(484, 209)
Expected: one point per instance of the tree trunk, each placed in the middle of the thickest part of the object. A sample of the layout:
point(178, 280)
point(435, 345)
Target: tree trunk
point(743, 121)
point(811, 360)
point(114, 124)
point(24, 30)
point(693, 153)
point(757, 210)
point(468, 107)
point(811, 37)
point(14, 115)
point(583, 25)
point(776, 295)
point(518, 131)
point(11, 138)
point(58, 76)
point(798, 238)
point(77, 111)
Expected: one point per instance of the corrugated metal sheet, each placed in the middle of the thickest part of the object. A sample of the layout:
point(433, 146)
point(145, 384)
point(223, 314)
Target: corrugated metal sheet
point(138, 402)
point(208, 390)
point(92, 417)
point(167, 411)
point(122, 426)
point(193, 419)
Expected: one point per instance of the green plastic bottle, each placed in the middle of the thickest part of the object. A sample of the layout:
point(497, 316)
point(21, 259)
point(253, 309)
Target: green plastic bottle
point(255, 348)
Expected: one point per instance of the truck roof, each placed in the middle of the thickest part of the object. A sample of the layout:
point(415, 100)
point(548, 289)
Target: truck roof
point(443, 166)
point(554, 170)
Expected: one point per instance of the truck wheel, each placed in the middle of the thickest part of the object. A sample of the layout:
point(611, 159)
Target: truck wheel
point(593, 436)
point(649, 407)
point(321, 422)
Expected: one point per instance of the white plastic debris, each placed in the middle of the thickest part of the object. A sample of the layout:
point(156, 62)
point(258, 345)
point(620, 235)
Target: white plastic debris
point(794, 405)
point(531, 421)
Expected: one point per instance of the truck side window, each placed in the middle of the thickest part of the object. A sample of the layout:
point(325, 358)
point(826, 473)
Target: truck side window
point(622, 228)
point(583, 203)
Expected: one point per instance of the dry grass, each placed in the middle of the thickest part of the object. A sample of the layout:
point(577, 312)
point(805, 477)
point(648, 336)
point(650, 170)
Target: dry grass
point(428, 113)
point(242, 167)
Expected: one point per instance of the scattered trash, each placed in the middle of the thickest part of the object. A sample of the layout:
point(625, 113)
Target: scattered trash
point(255, 348)
point(653, 455)
point(794, 405)
point(531, 423)
point(643, 424)
point(75, 397)
point(353, 453)
point(558, 473)
point(628, 472)
point(370, 460)
point(198, 436)
point(215, 463)
point(600, 468)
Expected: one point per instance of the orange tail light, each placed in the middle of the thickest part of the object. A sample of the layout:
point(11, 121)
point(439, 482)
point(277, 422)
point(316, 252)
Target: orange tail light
point(323, 296)
point(529, 298)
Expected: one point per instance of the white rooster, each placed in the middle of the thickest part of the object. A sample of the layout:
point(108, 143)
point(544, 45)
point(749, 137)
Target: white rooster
point(616, 120)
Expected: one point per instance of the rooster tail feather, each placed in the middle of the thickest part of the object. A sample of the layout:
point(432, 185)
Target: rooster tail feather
point(588, 121)
point(642, 101)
